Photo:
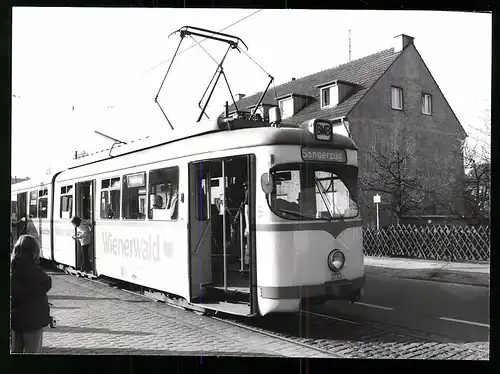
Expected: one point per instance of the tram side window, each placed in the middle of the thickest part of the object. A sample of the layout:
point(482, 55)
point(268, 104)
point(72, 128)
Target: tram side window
point(13, 209)
point(110, 198)
point(33, 204)
point(134, 196)
point(43, 203)
point(163, 194)
point(66, 202)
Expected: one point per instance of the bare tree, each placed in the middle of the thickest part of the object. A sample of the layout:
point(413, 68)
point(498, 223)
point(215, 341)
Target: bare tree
point(476, 183)
point(392, 176)
point(476, 187)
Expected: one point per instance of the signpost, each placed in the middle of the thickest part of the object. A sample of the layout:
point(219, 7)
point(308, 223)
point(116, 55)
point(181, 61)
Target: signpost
point(376, 200)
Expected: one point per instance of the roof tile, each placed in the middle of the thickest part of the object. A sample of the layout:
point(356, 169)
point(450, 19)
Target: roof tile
point(363, 72)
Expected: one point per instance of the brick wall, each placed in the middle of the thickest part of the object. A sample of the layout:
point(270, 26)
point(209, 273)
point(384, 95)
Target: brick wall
point(430, 140)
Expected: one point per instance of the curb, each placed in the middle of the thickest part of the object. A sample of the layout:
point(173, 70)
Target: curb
point(435, 275)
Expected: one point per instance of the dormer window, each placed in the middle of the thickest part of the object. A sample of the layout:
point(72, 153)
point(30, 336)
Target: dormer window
point(334, 92)
point(325, 97)
point(329, 96)
point(286, 107)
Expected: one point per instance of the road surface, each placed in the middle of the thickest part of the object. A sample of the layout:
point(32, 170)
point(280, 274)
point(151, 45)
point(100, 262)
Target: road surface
point(458, 312)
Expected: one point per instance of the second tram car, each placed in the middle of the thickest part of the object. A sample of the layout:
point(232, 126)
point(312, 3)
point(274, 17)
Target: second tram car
point(242, 217)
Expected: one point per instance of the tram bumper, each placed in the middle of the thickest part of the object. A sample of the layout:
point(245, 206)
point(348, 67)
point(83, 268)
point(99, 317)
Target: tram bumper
point(346, 289)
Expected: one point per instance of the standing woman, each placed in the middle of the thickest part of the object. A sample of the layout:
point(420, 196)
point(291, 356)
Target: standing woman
point(29, 284)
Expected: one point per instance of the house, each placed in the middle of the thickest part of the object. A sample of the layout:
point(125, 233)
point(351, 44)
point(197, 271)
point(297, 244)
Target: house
point(386, 101)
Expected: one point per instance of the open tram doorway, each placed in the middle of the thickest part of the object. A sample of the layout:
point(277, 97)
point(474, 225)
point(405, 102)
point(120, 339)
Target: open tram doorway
point(85, 210)
point(222, 254)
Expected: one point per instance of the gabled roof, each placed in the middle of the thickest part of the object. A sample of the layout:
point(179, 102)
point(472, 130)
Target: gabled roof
point(362, 73)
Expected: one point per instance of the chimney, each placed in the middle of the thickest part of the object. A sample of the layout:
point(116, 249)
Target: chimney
point(401, 42)
point(240, 96)
point(293, 79)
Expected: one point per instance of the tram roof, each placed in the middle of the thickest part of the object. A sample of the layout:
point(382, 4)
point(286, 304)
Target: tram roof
point(258, 133)
point(285, 134)
point(33, 182)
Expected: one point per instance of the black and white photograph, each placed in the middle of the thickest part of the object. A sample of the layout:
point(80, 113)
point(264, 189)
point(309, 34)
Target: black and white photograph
point(281, 183)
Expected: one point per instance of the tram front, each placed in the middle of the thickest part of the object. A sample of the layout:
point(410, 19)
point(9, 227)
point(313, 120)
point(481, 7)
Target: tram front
point(309, 240)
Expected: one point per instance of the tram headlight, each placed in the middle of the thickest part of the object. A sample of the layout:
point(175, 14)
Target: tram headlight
point(336, 260)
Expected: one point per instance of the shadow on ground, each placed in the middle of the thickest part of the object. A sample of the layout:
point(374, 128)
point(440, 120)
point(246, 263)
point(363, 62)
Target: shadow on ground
point(92, 330)
point(146, 352)
point(64, 307)
point(73, 297)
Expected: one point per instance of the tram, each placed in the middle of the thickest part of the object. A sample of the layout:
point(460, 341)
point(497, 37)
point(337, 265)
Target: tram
point(238, 217)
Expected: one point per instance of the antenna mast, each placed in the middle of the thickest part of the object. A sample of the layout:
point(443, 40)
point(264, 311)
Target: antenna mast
point(349, 45)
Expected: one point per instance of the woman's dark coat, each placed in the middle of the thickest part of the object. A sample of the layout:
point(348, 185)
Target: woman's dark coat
point(29, 303)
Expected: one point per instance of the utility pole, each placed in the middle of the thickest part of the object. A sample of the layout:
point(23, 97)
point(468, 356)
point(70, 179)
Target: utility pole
point(376, 200)
point(349, 45)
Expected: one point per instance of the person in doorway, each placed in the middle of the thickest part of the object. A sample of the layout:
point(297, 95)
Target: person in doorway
point(85, 237)
point(22, 226)
point(30, 311)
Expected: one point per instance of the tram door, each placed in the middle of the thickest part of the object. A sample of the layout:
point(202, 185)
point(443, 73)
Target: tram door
point(221, 241)
point(17, 212)
point(199, 229)
point(22, 214)
point(85, 210)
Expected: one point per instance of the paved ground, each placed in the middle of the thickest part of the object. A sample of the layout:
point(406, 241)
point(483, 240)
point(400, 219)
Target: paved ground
point(396, 296)
point(441, 271)
point(93, 318)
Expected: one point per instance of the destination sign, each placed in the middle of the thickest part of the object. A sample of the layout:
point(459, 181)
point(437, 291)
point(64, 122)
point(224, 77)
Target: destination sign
point(327, 155)
point(135, 180)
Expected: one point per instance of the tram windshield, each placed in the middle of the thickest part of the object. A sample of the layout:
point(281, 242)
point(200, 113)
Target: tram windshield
point(308, 191)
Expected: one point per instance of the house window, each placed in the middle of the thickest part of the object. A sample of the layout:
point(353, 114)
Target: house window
point(286, 108)
point(426, 104)
point(325, 97)
point(330, 96)
point(397, 98)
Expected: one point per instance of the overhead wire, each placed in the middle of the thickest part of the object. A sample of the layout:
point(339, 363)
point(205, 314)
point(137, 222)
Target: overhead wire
point(198, 43)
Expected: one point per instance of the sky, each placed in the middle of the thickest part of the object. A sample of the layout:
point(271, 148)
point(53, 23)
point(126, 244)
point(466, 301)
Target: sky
point(99, 69)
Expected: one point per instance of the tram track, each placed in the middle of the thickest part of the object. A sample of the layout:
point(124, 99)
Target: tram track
point(405, 332)
point(366, 339)
point(213, 316)
point(333, 336)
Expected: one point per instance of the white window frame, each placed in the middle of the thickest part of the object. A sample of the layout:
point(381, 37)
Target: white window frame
point(281, 105)
point(426, 104)
point(398, 91)
point(327, 89)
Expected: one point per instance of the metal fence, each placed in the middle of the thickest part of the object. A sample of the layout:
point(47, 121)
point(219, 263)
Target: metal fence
point(436, 242)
